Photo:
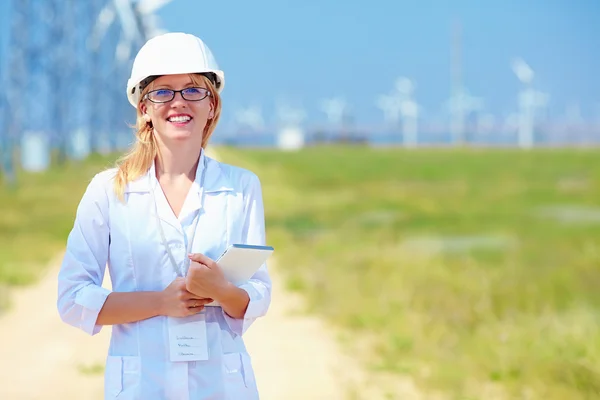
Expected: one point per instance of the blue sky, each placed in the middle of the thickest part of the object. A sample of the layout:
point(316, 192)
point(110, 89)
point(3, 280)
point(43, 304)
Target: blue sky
point(304, 51)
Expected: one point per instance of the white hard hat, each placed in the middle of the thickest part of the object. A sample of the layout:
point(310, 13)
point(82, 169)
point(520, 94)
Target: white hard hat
point(170, 54)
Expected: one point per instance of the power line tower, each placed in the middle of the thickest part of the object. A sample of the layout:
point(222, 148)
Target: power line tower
point(62, 72)
point(65, 68)
point(15, 78)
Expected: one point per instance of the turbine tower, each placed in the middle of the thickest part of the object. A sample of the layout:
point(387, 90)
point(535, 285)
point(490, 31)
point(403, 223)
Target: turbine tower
point(461, 105)
point(529, 100)
point(336, 110)
point(390, 105)
point(409, 110)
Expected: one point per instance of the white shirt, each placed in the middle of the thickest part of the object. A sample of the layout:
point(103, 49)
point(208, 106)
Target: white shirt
point(125, 237)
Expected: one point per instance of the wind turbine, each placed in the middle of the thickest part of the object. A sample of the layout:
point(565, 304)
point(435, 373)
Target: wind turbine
point(290, 116)
point(461, 104)
point(250, 117)
point(335, 109)
point(148, 18)
point(529, 100)
point(390, 105)
point(409, 110)
point(290, 136)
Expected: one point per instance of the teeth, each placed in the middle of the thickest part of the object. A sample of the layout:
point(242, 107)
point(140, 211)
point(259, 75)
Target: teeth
point(179, 119)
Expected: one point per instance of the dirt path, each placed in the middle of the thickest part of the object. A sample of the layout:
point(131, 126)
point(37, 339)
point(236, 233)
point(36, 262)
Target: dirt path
point(295, 356)
point(43, 358)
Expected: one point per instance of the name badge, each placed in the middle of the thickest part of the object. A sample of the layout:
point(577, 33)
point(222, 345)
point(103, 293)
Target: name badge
point(187, 338)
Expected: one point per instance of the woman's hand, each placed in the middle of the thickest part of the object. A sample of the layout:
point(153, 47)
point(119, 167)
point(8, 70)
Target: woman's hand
point(177, 301)
point(205, 278)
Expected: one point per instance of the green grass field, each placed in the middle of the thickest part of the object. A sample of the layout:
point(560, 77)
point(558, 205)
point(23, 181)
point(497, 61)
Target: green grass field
point(37, 216)
point(468, 270)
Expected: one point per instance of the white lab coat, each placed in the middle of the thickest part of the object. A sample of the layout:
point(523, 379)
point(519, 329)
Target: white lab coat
point(125, 237)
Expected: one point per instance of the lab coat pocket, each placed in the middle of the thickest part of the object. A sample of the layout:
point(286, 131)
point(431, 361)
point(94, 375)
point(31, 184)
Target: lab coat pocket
point(122, 377)
point(239, 376)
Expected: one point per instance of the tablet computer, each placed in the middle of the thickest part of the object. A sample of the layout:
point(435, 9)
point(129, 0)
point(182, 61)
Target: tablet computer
point(240, 261)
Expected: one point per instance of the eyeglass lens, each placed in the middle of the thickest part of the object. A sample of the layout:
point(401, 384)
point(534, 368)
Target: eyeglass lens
point(165, 95)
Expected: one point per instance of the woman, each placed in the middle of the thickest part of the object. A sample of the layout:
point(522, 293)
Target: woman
point(165, 200)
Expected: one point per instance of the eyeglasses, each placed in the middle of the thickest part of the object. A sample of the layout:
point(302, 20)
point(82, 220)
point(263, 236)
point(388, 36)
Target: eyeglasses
point(189, 94)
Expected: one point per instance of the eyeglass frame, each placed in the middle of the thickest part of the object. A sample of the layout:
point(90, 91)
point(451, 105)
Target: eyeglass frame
point(147, 95)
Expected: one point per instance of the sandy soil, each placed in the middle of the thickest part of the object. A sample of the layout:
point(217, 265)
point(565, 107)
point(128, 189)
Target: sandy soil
point(295, 356)
point(43, 358)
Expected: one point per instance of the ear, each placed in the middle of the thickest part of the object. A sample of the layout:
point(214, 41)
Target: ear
point(144, 111)
point(211, 113)
point(143, 108)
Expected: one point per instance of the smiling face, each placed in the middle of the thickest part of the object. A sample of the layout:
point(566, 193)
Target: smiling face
point(179, 120)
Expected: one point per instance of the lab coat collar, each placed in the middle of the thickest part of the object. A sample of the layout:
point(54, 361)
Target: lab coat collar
point(215, 181)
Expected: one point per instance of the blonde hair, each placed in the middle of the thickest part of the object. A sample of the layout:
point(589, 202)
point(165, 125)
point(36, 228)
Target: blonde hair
point(140, 157)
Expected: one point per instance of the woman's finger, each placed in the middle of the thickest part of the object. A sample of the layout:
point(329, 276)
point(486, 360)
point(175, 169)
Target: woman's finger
point(192, 296)
point(195, 303)
point(199, 258)
point(195, 310)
